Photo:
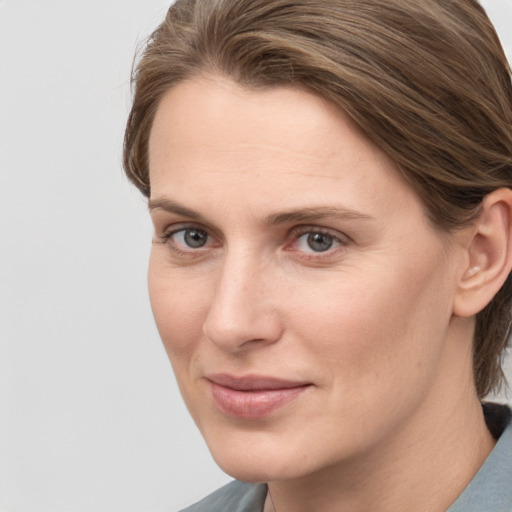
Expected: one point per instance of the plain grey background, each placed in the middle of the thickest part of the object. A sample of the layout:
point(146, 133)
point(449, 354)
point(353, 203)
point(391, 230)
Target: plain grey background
point(90, 415)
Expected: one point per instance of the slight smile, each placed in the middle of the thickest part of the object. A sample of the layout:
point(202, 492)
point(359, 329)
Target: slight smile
point(252, 396)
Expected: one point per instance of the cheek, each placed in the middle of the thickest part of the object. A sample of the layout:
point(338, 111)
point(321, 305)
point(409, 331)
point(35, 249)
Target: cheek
point(179, 308)
point(179, 311)
point(382, 330)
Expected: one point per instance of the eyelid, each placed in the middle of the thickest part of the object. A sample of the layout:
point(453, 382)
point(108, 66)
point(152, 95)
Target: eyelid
point(337, 235)
point(175, 227)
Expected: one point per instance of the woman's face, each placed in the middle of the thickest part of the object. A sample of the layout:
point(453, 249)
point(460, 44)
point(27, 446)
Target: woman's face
point(303, 298)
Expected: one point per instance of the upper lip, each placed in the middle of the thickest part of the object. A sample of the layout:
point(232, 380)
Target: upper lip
point(253, 382)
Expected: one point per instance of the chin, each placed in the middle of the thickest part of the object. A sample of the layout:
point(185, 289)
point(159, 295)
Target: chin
point(260, 457)
point(254, 472)
point(249, 474)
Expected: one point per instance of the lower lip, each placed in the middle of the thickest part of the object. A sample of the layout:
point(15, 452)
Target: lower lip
point(253, 404)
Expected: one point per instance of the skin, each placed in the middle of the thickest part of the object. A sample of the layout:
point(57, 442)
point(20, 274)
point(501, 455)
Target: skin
point(369, 323)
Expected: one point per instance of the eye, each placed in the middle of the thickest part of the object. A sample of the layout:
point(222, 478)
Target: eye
point(316, 241)
point(189, 238)
point(193, 238)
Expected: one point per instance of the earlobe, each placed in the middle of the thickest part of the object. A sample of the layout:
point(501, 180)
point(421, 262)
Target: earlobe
point(489, 255)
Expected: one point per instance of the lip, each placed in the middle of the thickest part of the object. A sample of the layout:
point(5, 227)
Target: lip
point(253, 396)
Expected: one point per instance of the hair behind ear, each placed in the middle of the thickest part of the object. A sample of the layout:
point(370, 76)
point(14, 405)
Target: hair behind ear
point(485, 289)
point(491, 338)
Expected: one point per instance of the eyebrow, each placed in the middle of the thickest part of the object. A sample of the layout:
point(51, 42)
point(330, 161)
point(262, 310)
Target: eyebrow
point(309, 214)
point(171, 206)
point(316, 213)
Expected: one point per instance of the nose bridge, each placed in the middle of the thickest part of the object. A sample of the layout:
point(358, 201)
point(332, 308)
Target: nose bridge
point(241, 307)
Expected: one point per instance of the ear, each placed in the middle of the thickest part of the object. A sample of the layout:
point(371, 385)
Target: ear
point(488, 260)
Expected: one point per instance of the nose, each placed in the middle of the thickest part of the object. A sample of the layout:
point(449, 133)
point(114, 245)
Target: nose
point(242, 312)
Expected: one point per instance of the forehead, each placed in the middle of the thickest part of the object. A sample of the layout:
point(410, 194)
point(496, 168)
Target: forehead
point(213, 109)
point(209, 114)
point(215, 141)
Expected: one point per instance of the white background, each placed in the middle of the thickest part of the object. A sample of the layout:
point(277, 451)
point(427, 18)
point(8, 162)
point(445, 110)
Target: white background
point(90, 416)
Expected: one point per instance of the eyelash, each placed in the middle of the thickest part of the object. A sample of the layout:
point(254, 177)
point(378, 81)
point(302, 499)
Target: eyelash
point(295, 234)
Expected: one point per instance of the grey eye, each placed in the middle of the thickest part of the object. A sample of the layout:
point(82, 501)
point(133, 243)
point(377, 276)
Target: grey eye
point(319, 242)
point(194, 238)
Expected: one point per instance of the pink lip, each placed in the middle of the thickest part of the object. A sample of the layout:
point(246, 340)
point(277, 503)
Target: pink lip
point(252, 396)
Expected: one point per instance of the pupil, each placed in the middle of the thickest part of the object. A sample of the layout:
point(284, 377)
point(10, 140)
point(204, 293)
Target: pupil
point(319, 242)
point(195, 237)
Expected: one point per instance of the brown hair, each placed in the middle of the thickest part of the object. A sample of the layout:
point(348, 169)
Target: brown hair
point(426, 80)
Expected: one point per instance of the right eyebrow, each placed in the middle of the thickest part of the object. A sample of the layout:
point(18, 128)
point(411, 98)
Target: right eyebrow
point(171, 206)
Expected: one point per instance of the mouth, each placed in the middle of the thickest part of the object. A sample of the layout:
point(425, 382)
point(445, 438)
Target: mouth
point(253, 396)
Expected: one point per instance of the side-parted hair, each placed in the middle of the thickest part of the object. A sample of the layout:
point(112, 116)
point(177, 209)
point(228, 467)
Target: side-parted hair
point(426, 80)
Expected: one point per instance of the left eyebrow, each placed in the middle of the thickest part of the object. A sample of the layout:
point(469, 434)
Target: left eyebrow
point(316, 213)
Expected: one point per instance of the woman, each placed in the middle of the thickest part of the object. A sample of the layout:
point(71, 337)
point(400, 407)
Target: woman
point(330, 185)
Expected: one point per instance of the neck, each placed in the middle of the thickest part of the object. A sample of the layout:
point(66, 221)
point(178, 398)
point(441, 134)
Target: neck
point(430, 460)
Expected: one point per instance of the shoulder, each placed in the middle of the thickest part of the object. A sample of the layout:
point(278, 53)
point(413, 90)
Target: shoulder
point(490, 488)
point(233, 497)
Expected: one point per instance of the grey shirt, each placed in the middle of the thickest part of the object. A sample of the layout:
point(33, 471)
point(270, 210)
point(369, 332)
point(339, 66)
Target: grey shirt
point(489, 491)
